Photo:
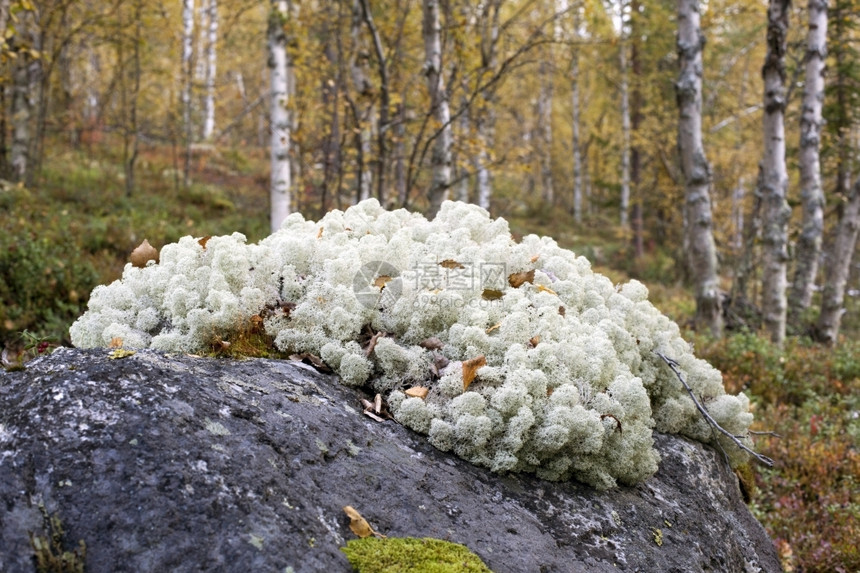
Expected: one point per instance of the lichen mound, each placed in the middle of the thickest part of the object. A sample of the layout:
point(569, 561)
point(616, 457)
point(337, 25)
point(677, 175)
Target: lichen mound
point(572, 385)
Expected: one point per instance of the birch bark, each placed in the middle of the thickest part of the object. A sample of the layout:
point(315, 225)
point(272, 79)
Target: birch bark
point(211, 61)
point(811, 194)
point(625, 135)
point(837, 269)
point(280, 136)
point(187, 76)
point(440, 158)
point(774, 180)
point(702, 257)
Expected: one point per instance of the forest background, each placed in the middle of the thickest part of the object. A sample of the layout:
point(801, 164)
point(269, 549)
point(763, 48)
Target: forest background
point(129, 119)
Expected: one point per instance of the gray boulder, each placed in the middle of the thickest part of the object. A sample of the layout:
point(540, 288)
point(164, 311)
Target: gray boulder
point(177, 463)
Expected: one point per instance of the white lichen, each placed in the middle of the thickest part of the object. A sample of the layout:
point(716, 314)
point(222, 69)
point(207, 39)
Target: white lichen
point(572, 385)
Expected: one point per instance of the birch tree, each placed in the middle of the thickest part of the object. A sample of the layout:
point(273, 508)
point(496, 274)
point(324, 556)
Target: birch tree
point(774, 176)
point(485, 124)
point(702, 257)
point(279, 188)
point(187, 77)
point(812, 197)
point(209, 75)
point(25, 85)
point(837, 269)
point(625, 134)
point(440, 158)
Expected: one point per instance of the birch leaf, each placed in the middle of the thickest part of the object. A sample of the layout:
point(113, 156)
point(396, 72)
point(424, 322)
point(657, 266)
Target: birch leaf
point(542, 288)
point(451, 264)
point(491, 294)
point(417, 392)
point(143, 254)
point(470, 369)
point(516, 280)
point(358, 524)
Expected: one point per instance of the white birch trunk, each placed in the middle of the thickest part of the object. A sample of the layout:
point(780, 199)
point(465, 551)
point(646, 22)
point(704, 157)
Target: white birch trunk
point(837, 269)
point(22, 110)
point(211, 60)
point(485, 124)
point(576, 151)
point(544, 128)
point(364, 91)
point(774, 180)
point(440, 159)
point(280, 136)
point(625, 136)
point(187, 76)
point(811, 194)
point(702, 255)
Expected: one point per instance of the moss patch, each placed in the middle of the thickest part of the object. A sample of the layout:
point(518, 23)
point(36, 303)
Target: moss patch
point(406, 554)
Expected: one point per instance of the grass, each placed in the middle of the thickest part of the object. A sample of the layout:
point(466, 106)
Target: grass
point(75, 229)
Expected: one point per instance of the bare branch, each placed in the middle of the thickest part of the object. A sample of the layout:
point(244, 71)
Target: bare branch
point(674, 366)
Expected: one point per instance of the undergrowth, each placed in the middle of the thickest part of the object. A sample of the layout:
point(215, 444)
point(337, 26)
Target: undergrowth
point(809, 502)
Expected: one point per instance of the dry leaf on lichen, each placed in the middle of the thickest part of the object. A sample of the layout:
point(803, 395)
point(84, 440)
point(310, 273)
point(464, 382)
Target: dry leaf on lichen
point(491, 294)
point(143, 254)
point(203, 240)
point(319, 233)
point(358, 524)
point(417, 392)
point(494, 327)
point(534, 258)
point(431, 343)
point(115, 342)
point(542, 288)
point(561, 310)
point(381, 281)
point(470, 369)
point(534, 340)
point(451, 264)
point(516, 280)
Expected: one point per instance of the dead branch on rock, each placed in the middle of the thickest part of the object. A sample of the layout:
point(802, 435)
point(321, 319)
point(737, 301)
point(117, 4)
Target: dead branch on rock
point(713, 423)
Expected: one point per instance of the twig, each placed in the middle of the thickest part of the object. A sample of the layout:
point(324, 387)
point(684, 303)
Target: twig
point(674, 366)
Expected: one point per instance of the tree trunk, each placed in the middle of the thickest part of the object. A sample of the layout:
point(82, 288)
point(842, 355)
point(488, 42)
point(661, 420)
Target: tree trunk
point(382, 125)
point(485, 123)
point(211, 60)
point(280, 136)
point(702, 257)
point(837, 269)
point(625, 134)
point(187, 77)
point(812, 196)
point(774, 179)
point(130, 131)
point(440, 158)
point(577, 147)
point(543, 137)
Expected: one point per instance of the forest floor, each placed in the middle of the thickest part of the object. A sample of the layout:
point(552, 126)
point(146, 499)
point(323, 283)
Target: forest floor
point(75, 228)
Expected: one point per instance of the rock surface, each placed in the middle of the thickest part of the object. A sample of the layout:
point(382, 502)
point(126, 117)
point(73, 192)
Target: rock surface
point(177, 463)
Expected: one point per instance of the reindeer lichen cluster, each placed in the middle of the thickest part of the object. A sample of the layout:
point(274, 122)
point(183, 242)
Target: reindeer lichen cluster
point(572, 385)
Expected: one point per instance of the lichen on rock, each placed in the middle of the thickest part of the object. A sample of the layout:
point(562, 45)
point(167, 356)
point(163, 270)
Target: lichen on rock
point(572, 385)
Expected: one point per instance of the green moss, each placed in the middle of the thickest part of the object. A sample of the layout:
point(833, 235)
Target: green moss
point(410, 554)
point(48, 551)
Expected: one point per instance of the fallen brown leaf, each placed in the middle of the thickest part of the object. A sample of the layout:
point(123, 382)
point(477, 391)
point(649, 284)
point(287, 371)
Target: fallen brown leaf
point(115, 342)
point(431, 343)
point(494, 327)
point(451, 264)
point(358, 524)
point(203, 240)
point(534, 340)
point(417, 392)
point(516, 280)
point(143, 254)
point(470, 369)
point(491, 294)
